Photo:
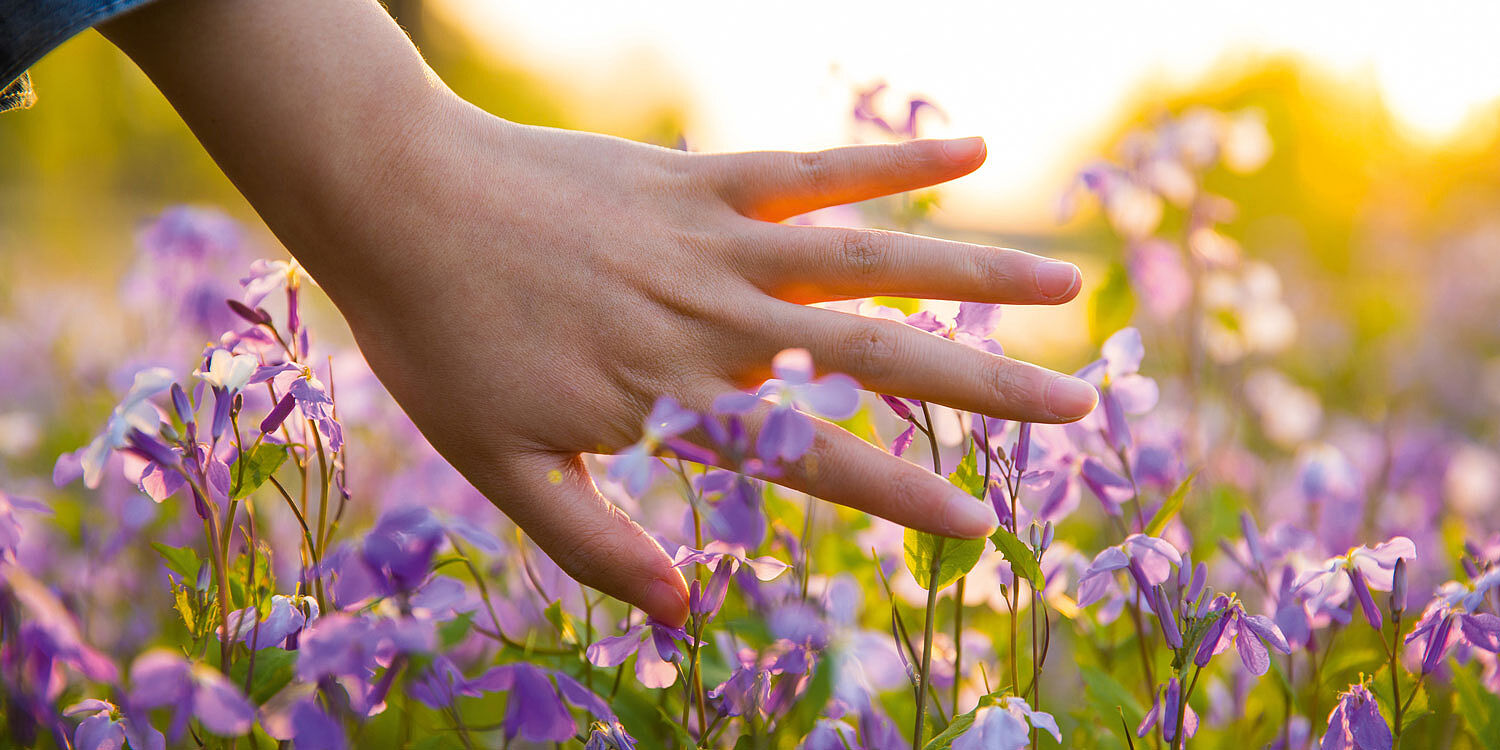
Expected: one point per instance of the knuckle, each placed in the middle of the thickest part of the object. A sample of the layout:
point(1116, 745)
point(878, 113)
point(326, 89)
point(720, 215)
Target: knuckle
point(991, 268)
point(903, 159)
point(909, 492)
point(1012, 388)
point(814, 169)
point(868, 350)
point(862, 252)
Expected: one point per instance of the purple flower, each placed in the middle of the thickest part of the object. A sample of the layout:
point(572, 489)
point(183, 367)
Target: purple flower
point(655, 647)
point(305, 725)
point(1154, 558)
point(134, 413)
point(611, 736)
point(973, 326)
point(1165, 714)
point(339, 645)
point(1330, 584)
point(633, 466)
point(313, 399)
point(787, 432)
point(1356, 723)
point(1005, 725)
point(1251, 634)
point(267, 276)
point(163, 678)
point(1123, 390)
point(102, 731)
point(536, 711)
point(284, 622)
point(865, 111)
point(227, 371)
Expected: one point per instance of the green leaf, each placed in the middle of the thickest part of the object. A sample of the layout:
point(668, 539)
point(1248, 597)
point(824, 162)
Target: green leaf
point(1111, 305)
point(959, 556)
point(961, 724)
point(1106, 693)
point(180, 560)
point(563, 622)
point(260, 464)
point(1479, 708)
point(1022, 562)
point(967, 477)
point(273, 670)
point(679, 731)
point(1170, 508)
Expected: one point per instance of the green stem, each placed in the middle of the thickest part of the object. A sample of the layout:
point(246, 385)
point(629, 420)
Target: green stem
point(922, 676)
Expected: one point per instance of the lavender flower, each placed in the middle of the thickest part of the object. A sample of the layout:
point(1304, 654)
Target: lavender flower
point(655, 647)
point(1005, 725)
point(1154, 559)
point(787, 432)
point(1164, 714)
point(105, 729)
point(1251, 634)
point(1356, 724)
point(135, 413)
point(163, 678)
point(633, 466)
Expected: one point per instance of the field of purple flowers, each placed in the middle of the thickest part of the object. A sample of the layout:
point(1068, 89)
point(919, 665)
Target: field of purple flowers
point(246, 544)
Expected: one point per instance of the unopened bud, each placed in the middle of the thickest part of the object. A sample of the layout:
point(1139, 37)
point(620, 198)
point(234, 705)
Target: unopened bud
point(1047, 532)
point(1035, 536)
point(1200, 576)
point(257, 315)
point(180, 402)
point(1470, 568)
point(278, 414)
point(1022, 456)
point(1398, 588)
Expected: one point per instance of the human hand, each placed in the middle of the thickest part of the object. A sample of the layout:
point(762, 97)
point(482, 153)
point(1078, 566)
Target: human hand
point(527, 293)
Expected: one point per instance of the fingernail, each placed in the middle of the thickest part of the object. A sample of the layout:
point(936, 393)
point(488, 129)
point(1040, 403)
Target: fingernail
point(968, 518)
point(664, 601)
point(963, 149)
point(1070, 398)
point(1056, 278)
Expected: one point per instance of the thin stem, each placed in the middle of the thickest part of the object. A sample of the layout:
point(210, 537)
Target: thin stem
point(958, 639)
point(923, 677)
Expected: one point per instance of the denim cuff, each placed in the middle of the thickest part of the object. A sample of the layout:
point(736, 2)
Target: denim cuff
point(31, 28)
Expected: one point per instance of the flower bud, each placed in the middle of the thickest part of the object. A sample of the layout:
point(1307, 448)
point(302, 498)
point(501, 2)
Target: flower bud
point(1034, 535)
point(1366, 601)
point(897, 405)
point(222, 402)
point(257, 316)
point(152, 448)
point(1200, 576)
point(1022, 456)
point(1470, 569)
point(1047, 532)
point(1398, 588)
point(278, 414)
point(181, 404)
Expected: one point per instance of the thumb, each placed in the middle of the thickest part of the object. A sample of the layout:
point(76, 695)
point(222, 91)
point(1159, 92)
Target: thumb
point(554, 500)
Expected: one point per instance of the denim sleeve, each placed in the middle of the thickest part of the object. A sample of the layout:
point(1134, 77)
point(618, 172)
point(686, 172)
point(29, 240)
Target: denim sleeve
point(31, 28)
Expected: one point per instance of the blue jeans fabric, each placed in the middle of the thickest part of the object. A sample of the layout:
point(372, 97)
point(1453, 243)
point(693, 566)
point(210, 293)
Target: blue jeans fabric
point(31, 28)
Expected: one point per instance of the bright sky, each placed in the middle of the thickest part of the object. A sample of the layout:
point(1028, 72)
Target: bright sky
point(1037, 79)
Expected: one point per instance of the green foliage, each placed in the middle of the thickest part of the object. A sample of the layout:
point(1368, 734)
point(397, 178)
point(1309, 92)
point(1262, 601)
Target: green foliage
point(260, 464)
point(274, 669)
point(1479, 707)
point(1111, 305)
point(1022, 562)
point(959, 556)
point(180, 560)
point(1170, 508)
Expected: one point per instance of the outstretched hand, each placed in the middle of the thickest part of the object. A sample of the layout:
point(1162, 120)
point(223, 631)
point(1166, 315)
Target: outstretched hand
point(527, 293)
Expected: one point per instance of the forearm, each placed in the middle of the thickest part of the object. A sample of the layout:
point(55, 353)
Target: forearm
point(302, 104)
